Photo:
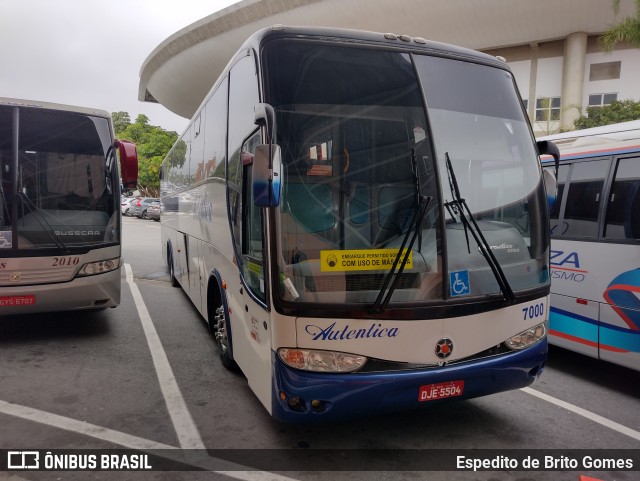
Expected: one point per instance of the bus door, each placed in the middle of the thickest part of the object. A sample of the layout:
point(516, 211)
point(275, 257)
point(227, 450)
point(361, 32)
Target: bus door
point(247, 294)
point(252, 337)
point(620, 315)
point(576, 263)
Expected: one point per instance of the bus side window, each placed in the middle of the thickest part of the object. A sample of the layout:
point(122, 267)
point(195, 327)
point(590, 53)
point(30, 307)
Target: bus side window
point(252, 228)
point(623, 219)
point(584, 198)
point(246, 218)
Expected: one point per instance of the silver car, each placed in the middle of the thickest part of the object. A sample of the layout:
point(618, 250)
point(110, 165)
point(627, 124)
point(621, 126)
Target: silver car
point(139, 208)
point(153, 211)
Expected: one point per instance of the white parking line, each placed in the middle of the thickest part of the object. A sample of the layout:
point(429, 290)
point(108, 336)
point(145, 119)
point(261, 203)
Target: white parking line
point(587, 414)
point(200, 460)
point(188, 435)
point(80, 427)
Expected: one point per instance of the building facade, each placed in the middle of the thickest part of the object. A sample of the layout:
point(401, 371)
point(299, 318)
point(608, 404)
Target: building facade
point(551, 46)
point(559, 79)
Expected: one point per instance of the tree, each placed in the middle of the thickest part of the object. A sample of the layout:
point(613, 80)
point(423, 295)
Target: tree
point(627, 30)
point(153, 143)
point(618, 111)
point(120, 121)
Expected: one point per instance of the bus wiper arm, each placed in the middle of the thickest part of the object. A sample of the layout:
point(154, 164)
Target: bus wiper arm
point(415, 227)
point(460, 205)
point(39, 216)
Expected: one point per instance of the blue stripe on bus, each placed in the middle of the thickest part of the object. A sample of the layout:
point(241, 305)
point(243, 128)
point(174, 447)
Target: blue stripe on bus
point(573, 324)
point(622, 339)
point(585, 328)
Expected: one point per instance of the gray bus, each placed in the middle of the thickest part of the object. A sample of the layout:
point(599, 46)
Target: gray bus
point(60, 221)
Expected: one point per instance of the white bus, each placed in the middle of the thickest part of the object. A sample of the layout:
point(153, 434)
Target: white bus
point(595, 256)
point(60, 222)
point(361, 220)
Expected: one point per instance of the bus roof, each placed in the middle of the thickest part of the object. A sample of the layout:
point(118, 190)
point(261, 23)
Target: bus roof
point(379, 39)
point(35, 104)
point(606, 140)
point(362, 38)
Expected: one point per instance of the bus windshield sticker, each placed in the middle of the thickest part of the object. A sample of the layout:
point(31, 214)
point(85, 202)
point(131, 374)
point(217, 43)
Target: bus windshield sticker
point(459, 282)
point(6, 239)
point(360, 260)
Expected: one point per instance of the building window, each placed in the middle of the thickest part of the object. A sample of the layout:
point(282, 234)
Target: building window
point(600, 100)
point(604, 71)
point(547, 109)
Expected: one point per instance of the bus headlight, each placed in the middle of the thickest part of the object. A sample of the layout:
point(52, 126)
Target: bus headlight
point(321, 361)
point(99, 267)
point(527, 338)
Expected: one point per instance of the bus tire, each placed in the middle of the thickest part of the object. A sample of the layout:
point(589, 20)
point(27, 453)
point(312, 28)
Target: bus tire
point(172, 274)
point(222, 340)
point(218, 326)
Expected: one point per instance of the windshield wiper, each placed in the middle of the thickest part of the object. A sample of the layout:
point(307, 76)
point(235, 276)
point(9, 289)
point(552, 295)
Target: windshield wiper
point(460, 206)
point(39, 216)
point(415, 227)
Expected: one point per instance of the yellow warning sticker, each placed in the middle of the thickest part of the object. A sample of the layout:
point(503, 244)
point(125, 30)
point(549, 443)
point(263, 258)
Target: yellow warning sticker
point(360, 260)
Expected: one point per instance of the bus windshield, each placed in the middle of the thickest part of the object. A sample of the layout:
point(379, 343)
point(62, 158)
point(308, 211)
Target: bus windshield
point(59, 186)
point(359, 151)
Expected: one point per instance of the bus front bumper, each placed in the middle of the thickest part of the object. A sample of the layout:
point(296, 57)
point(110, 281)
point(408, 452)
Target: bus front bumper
point(90, 292)
point(301, 396)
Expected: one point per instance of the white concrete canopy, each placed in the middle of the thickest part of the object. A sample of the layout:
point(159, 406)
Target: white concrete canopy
point(181, 70)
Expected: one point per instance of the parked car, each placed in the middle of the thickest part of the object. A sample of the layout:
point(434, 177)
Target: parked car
point(126, 204)
point(139, 208)
point(153, 212)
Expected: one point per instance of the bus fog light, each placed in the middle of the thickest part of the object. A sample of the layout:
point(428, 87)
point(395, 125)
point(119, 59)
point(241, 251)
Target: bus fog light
point(527, 338)
point(99, 267)
point(321, 361)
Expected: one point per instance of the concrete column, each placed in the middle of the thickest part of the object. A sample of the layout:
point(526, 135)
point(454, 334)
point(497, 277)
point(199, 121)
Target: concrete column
point(533, 82)
point(575, 54)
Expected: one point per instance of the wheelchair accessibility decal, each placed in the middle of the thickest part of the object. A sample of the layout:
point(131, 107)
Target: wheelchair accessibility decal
point(459, 283)
point(6, 239)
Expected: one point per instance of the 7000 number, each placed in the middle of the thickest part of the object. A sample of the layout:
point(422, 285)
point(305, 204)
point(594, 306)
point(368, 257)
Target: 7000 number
point(531, 312)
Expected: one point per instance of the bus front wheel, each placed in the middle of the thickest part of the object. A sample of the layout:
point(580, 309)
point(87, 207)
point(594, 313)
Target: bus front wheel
point(222, 339)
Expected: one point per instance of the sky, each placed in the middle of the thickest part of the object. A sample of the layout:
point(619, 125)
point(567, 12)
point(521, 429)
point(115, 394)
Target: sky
point(89, 52)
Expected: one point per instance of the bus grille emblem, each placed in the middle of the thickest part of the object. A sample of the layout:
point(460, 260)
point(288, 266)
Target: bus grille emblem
point(15, 277)
point(444, 348)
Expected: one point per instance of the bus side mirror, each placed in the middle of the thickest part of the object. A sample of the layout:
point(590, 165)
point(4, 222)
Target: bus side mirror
point(128, 153)
point(551, 186)
point(546, 147)
point(267, 175)
point(265, 116)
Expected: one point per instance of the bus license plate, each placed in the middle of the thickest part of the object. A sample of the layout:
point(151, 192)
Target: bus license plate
point(10, 301)
point(440, 390)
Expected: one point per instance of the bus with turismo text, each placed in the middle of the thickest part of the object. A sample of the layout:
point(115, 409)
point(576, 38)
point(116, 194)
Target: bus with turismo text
point(60, 222)
point(595, 244)
point(361, 220)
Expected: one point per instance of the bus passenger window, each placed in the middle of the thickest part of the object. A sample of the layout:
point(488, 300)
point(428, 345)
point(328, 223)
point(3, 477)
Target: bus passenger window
point(623, 221)
point(584, 197)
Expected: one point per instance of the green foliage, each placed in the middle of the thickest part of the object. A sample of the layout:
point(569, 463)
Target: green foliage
point(618, 111)
point(627, 30)
point(153, 143)
point(120, 121)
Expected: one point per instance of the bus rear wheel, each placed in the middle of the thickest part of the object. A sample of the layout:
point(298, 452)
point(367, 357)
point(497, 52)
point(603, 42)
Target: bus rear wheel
point(172, 272)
